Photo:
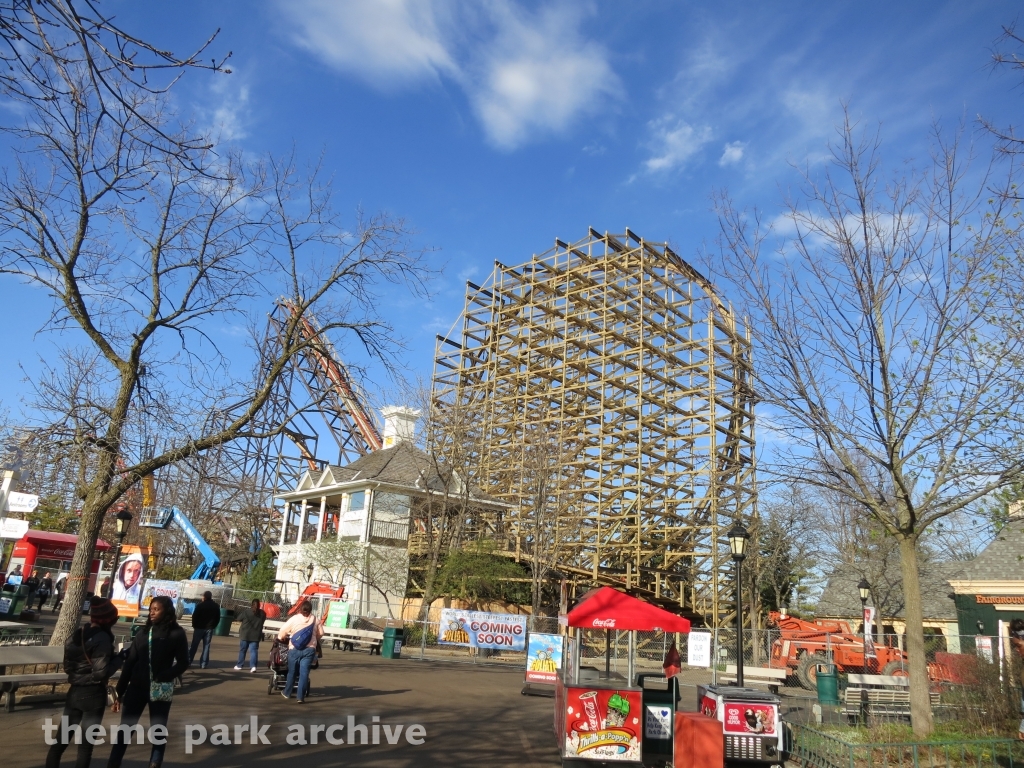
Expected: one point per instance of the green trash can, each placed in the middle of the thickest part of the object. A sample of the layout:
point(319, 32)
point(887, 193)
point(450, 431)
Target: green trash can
point(224, 625)
point(391, 648)
point(12, 601)
point(827, 684)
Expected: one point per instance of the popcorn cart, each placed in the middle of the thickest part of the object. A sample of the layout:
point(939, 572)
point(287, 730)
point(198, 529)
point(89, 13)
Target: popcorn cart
point(599, 715)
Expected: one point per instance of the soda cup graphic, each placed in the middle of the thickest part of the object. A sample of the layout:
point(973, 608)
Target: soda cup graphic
point(589, 702)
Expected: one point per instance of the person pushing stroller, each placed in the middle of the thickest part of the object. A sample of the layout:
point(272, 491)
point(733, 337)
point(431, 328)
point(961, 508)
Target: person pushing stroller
point(303, 633)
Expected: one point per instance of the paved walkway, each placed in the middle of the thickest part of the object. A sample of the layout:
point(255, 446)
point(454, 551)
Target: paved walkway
point(472, 715)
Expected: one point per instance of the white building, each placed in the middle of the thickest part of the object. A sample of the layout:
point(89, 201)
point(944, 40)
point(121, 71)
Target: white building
point(351, 525)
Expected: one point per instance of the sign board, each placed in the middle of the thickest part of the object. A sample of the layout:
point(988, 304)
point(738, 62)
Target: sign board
point(984, 646)
point(869, 633)
point(337, 615)
point(543, 658)
point(602, 724)
point(10, 528)
point(657, 722)
point(698, 649)
point(5, 605)
point(22, 502)
point(502, 631)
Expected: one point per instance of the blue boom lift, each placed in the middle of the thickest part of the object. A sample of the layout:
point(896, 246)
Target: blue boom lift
point(162, 517)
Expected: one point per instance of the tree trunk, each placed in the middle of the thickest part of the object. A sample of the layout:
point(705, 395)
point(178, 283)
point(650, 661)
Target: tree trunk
point(917, 664)
point(70, 615)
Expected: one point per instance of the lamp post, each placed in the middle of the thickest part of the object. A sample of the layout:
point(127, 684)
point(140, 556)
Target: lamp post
point(865, 591)
point(122, 521)
point(738, 544)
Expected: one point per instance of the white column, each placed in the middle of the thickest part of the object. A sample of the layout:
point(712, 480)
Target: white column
point(323, 518)
point(286, 516)
point(302, 522)
point(342, 511)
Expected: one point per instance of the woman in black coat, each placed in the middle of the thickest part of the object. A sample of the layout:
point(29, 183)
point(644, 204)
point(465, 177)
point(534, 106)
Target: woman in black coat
point(89, 660)
point(169, 660)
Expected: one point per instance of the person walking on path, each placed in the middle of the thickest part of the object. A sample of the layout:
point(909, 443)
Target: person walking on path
point(303, 633)
point(89, 660)
point(32, 582)
point(250, 632)
point(158, 654)
point(205, 618)
point(45, 590)
point(58, 593)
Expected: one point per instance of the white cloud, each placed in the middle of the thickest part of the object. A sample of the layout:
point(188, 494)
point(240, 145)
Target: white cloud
point(539, 76)
point(228, 115)
point(388, 43)
point(732, 153)
point(525, 74)
point(673, 143)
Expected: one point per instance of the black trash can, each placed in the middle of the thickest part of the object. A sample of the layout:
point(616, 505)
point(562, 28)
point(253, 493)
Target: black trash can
point(391, 648)
point(660, 696)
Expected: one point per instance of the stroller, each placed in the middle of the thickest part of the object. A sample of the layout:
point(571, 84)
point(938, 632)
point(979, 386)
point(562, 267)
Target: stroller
point(279, 668)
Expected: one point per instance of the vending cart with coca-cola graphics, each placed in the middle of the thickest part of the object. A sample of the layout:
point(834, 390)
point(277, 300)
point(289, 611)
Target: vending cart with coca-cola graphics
point(750, 721)
point(599, 713)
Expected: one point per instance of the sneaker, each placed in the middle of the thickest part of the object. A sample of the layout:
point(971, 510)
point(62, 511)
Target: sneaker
point(300, 701)
point(238, 666)
point(251, 670)
point(285, 695)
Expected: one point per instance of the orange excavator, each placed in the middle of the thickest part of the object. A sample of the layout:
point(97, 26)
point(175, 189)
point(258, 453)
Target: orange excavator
point(802, 645)
point(321, 589)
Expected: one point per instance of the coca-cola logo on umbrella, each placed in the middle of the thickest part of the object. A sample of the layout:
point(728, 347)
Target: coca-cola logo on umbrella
point(606, 623)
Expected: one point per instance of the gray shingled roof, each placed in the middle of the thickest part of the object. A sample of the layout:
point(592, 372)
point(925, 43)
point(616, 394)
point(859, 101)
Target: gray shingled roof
point(1002, 559)
point(403, 465)
point(841, 597)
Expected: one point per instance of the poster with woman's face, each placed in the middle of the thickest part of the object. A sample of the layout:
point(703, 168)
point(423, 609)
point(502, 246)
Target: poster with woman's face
point(126, 589)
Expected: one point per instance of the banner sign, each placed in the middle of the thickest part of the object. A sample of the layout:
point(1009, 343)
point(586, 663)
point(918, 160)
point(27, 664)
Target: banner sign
point(543, 658)
point(337, 615)
point(869, 633)
point(126, 589)
point(698, 649)
point(744, 717)
point(984, 646)
point(503, 631)
point(155, 587)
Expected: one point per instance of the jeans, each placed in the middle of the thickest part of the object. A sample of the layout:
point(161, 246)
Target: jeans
point(206, 636)
point(131, 711)
point(43, 597)
point(253, 648)
point(302, 661)
point(84, 719)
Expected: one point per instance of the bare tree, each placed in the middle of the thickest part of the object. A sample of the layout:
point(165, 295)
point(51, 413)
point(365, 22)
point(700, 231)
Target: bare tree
point(149, 244)
point(379, 568)
point(886, 324)
point(1008, 55)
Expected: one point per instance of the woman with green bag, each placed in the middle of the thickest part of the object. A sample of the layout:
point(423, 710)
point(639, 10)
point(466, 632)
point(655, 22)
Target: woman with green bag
point(157, 656)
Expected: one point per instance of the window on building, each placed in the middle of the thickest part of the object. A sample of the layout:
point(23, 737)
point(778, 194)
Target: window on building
point(357, 501)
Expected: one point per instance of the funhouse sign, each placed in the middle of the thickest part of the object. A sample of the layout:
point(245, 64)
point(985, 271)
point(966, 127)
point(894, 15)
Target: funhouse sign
point(503, 631)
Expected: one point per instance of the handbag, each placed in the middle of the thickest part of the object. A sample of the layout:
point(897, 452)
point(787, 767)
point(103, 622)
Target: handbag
point(157, 691)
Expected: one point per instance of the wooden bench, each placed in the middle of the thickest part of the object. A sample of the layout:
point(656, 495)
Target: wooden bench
point(884, 695)
point(770, 676)
point(345, 639)
point(29, 656)
point(348, 639)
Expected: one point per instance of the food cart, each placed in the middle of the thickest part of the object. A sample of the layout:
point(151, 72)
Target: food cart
point(599, 714)
point(750, 720)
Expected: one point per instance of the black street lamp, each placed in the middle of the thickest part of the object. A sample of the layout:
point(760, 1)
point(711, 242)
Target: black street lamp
point(738, 544)
point(865, 592)
point(122, 521)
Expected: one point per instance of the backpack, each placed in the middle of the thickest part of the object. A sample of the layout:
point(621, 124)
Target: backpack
point(302, 638)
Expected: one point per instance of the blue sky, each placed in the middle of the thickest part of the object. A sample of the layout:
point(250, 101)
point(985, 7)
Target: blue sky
point(494, 127)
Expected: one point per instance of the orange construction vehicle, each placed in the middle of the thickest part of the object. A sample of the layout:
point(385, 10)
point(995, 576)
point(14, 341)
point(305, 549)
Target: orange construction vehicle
point(320, 589)
point(802, 645)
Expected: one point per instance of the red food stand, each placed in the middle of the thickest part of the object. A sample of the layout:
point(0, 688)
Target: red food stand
point(599, 714)
point(48, 551)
